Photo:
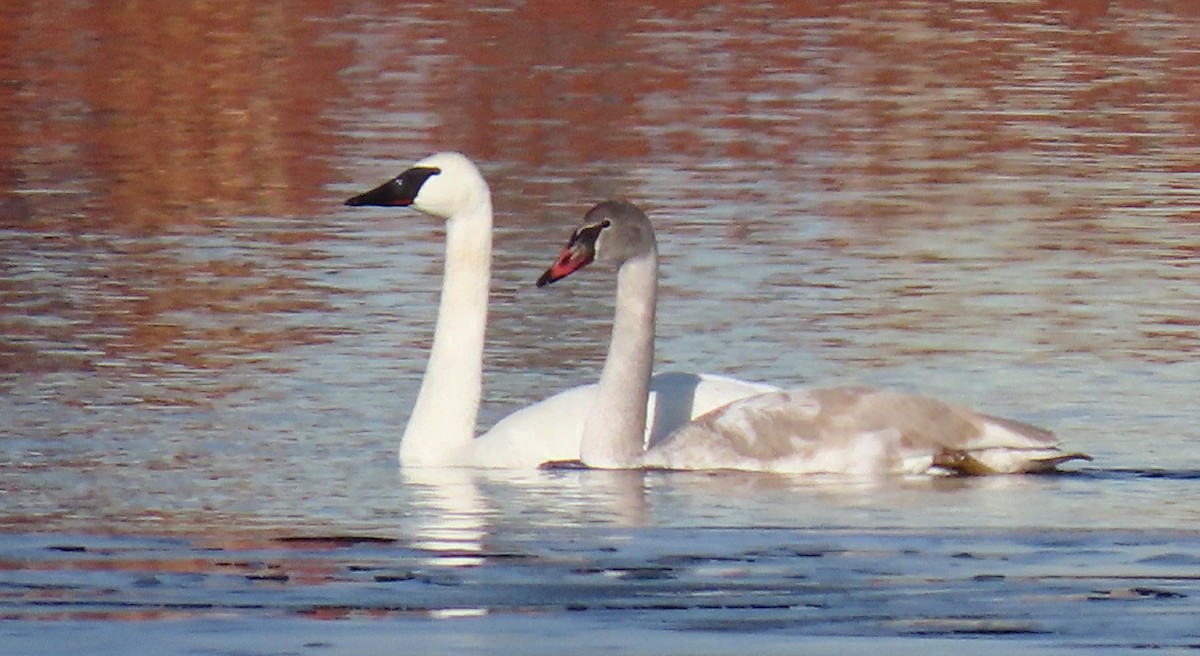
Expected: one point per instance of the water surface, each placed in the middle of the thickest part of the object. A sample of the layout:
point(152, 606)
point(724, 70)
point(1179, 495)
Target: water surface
point(206, 360)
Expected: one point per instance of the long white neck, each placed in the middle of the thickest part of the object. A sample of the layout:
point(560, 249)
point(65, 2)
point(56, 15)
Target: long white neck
point(614, 433)
point(442, 423)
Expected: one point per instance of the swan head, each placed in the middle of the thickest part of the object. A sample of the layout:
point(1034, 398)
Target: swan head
point(613, 231)
point(443, 185)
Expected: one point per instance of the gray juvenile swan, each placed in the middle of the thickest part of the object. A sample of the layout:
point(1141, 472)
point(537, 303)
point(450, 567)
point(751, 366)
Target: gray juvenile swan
point(441, 428)
point(855, 430)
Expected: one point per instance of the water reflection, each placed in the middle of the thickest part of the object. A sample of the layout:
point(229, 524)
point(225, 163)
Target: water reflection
point(134, 118)
point(617, 498)
point(450, 517)
point(991, 203)
point(153, 306)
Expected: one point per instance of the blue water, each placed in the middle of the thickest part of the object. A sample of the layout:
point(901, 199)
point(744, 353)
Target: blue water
point(206, 360)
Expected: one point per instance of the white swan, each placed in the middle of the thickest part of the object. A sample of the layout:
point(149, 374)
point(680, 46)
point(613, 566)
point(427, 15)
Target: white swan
point(839, 430)
point(441, 429)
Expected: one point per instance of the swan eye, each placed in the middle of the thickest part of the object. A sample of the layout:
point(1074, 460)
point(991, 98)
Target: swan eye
point(605, 223)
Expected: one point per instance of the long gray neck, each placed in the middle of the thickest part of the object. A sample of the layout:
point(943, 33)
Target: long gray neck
point(615, 430)
point(442, 424)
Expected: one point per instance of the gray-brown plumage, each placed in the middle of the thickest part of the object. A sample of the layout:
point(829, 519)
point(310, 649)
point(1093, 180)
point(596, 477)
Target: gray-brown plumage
point(856, 430)
point(836, 430)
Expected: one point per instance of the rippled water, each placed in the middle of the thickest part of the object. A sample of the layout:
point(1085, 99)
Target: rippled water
point(205, 359)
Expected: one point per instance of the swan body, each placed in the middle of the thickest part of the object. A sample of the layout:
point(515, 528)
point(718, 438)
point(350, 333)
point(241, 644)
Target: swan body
point(855, 430)
point(441, 429)
point(522, 439)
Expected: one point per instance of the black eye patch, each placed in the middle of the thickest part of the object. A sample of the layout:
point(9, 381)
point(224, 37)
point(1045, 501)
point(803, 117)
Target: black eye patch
point(416, 176)
point(588, 234)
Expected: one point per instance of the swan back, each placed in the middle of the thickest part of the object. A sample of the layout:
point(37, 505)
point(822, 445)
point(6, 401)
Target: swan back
point(855, 430)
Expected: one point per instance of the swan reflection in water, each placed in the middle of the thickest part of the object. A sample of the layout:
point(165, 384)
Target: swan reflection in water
point(455, 512)
point(449, 515)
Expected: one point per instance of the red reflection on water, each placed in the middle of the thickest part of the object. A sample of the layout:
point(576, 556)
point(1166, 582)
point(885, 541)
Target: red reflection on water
point(144, 115)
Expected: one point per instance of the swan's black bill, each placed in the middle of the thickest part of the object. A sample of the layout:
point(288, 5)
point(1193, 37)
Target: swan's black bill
point(400, 191)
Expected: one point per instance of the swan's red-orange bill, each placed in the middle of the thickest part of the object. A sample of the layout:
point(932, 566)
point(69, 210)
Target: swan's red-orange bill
point(573, 258)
